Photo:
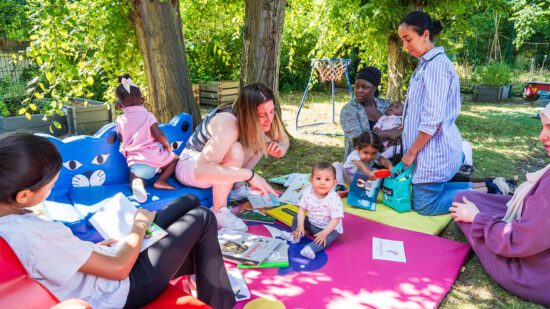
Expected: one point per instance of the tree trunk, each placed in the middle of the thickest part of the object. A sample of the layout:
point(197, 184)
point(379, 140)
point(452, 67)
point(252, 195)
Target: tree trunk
point(158, 28)
point(263, 29)
point(399, 61)
point(398, 64)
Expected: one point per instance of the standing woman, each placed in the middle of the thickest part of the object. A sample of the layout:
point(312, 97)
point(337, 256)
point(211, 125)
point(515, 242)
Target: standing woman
point(362, 112)
point(431, 139)
point(226, 146)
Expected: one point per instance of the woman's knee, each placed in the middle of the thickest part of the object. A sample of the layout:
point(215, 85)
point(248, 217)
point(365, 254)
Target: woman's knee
point(235, 156)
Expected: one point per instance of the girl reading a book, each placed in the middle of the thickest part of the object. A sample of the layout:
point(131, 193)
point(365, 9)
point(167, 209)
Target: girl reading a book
point(103, 276)
point(325, 212)
point(226, 146)
point(144, 145)
point(366, 158)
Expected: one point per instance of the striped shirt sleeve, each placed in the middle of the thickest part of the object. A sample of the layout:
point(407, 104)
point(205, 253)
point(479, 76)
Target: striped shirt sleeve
point(436, 92)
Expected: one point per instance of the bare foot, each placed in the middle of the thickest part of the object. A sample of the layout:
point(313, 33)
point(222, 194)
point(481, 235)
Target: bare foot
point(161, 184)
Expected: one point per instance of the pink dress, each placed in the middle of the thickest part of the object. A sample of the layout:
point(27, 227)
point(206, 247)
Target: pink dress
point(138, 144)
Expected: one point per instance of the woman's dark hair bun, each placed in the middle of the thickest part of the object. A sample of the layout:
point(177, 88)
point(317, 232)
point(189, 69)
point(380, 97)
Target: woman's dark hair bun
point(437, 27)
point(121, 76)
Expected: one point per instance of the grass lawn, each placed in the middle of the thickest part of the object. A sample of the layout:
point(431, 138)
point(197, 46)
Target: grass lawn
point(504, 138)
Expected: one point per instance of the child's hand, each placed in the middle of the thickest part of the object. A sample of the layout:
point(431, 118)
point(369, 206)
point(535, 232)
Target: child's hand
point(298, 232)
point(168, 147)
point(321, 238)
point(371, 175)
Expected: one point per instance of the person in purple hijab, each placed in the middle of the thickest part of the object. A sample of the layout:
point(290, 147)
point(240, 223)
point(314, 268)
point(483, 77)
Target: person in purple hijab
point(511, 235)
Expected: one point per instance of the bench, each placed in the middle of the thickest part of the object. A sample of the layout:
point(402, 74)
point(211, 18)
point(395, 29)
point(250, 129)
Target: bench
point(94, 170)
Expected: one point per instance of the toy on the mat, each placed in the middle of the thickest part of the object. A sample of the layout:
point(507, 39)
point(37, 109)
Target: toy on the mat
point(284, 213)
point(328, 70)
point(382, 173)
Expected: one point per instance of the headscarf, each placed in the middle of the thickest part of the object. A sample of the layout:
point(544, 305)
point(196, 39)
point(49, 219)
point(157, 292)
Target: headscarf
point(515, 205)
point(371, 75)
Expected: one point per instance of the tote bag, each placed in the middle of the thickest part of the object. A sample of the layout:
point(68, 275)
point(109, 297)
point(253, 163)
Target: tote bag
point(363, 192)
point(396, 190)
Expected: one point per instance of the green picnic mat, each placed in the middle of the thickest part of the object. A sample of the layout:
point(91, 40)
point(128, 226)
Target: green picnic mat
point(408, 220)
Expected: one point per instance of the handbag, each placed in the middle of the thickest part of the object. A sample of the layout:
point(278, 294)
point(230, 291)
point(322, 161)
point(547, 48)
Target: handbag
point(363, 192)
point(396, 189)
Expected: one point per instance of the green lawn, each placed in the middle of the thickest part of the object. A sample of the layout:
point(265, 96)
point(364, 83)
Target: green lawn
point(504, 138)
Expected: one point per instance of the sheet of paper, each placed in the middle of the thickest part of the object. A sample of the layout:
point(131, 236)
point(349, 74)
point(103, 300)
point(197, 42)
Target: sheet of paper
point(388, 250)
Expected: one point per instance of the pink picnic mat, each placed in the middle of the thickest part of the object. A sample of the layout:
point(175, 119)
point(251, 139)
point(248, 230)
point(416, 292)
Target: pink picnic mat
point(346, 276)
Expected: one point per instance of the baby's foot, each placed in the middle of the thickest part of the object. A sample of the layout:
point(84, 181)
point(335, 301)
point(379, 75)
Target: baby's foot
point(288, 236)
point(308, 253)
point(163, 185)
point(138, 189)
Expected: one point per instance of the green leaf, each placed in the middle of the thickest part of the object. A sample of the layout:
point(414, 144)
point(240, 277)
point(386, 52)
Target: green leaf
point(42, 86)
point(21, 111)
point(38, 95)
point(50, 77)
point(90, 80)
point(57, 124)
point(28, 116)
point(33, 106)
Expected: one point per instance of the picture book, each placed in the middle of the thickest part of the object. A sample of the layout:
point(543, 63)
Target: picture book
point(255, 216)
point(285, 180)
point(238, 284)
point(115, 219)
point(293, 194)
point(259, 201)
point(284, 213)
point(277, 259)
point(363, 192)
point(245, 248)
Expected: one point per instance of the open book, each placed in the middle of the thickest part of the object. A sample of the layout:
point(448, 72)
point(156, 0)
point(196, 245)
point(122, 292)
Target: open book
point(278, 258)
point(245, 248)
point(259, 201)
point(293, 194)
point(115, 219)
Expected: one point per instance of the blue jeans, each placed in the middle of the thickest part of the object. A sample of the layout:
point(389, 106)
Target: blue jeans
point(314, 230)
point(432, 199)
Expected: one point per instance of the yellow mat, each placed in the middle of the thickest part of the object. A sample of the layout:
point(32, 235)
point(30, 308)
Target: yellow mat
point(408, 220)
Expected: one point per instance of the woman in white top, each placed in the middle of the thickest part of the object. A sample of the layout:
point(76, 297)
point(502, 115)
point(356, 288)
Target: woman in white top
point(96, 273)
point(226, 146)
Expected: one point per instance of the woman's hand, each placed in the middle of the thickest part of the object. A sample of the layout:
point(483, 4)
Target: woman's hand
point(145, 216)
point(259, 183)
point(465, 212)
point(274, 150)
point(408, 159)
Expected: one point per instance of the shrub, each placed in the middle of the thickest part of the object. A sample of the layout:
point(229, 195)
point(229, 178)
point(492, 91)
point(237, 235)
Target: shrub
point(496, 74)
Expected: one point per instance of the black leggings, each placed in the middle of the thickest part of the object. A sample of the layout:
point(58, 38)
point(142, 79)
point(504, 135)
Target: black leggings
point(191, 247)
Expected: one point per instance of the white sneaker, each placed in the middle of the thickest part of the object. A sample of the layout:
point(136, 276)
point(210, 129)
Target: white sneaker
point(138, 189)
point(288, 236)
point(502, 185)
point(226, 219)
point(240, 193)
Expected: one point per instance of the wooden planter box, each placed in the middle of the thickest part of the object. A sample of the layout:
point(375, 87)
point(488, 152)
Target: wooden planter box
point(216, 93)
point(197, 93)
point(36, 124)
point(492, 93)
point(87, 119)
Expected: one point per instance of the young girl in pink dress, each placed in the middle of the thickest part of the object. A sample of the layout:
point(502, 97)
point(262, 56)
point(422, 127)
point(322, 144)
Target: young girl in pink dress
point(144, 145)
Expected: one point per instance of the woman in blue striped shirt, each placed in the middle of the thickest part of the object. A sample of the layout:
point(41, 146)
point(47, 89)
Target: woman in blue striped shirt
point(431, 139)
